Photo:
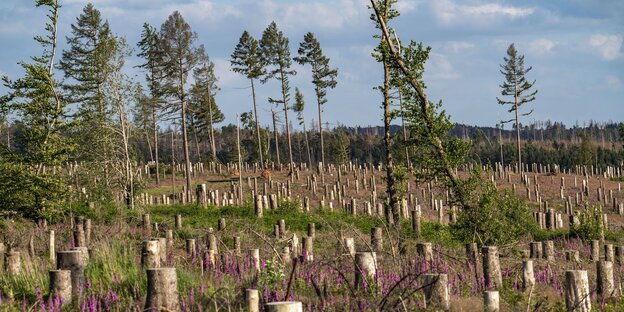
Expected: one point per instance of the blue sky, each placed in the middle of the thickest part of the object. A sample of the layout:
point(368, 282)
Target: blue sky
point(574, 46)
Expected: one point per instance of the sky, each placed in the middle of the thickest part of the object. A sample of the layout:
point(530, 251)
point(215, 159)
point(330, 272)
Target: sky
point(574, 47)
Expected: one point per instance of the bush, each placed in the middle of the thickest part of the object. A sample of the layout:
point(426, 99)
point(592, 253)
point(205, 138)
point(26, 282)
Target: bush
point(499, 217)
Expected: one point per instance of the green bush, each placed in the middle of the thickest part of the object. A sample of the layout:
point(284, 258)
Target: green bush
point(499, 217)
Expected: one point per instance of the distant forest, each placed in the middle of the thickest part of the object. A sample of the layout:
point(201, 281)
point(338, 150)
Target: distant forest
point(598, 144)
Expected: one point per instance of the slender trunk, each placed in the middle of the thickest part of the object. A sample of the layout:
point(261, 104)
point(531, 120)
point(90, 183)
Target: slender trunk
point(149, 146)
point(240, 161)
point(518, 139)
point(128, 188)
point(305, 134)
point(253, 95)
point(155, 125)
point(290, 157)
point(277, 153)
point(187, 159)
point(500, 143)
point(213, 147)
point(196, 140)
point(320, 124)
point(173, 179)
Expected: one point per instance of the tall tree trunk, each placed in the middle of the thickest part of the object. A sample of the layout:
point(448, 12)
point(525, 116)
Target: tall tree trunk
point(392, 219)
point(173, 177)
point(320, 124)
point(253, 95)
point(155, 125)
point(407, 157)
point(213, 147)
point(305, 134)
point(187, 159)
point(277, 153)
point(290, 157)
point(518, 138)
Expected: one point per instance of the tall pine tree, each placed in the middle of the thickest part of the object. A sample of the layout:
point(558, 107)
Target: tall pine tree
point(298, 108)
point(323, 77)
point(204, 110)
point(151, 52)
point(518, 89)
point(179, 56)
point(275, 50)
point(247, 60)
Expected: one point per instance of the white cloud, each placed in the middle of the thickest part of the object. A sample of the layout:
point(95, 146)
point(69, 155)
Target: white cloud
point(407, 6)
point(223, 71)
point(314, 15)
point(440, 68)
point(609, 46)
point(541, 46)
point(458, 46)
point(448, 12)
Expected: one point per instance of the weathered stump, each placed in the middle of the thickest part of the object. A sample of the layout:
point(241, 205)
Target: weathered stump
point(576, 291)
point(150, 255)
point(284, 306)
point(253, 300)
point(377, 239)
point(74, 261)
point(491, 302)
point(61, 285)
point(604, 278)
point(528, 276)
point(491, 267)
point(162, 290)
point(436, 291)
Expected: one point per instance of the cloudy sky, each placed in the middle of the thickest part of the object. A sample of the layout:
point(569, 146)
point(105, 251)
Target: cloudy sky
point(574, 46)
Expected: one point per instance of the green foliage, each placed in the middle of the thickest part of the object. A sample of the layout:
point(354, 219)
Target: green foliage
point(273, 274)
point(323, 76)
point(27, 184)
point(499, 217)
point(590, 225)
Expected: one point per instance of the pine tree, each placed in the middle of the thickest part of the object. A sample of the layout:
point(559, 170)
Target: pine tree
point(298, 108)
point(275, 50)
point(179, 57)
point(26, 187)
point(151, 52)
point(87, 65)
point(204, 110)
point(247, 60)
point(518, 88)
point(323, 77)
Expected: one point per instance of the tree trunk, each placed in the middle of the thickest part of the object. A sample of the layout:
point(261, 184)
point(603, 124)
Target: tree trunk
point(155, 125)
point(213, 147)
point(277, 153)
point(305, 134)
point(392, 192)
point(290, 157)
point(187, 159)
point(253, 95)
point(320, 123)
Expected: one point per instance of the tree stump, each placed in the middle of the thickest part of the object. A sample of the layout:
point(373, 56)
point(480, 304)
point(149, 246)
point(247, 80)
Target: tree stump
point(595, 250)
point(308, 249)
point(576, 290)
point(528, 276)
point(349, 245)
point(150, 255)
point(61, 285)
point(74, 261)
point(425, 252)
point(491, 302)
point(13, 263)
point(436, 291)
point(284, 306)
point(162, 290)
point(491, 267)
point(548, 250)
point(253, 300)
point(604, 279)
point(377, 239)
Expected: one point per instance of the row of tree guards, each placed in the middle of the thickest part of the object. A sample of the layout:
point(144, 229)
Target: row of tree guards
point(67, 280)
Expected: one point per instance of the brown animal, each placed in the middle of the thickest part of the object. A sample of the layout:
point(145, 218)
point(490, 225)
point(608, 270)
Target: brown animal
point(266, 174)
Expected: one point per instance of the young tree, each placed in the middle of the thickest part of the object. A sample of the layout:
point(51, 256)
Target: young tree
point(204, 111)
point(179, 57)
point(247, 60)
point(298, 108)
point(151, 52)
point(382, 55)
point(87, 63)
point(323, 77)
point(275, 50)
point(517, 88)
point(26, 187)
